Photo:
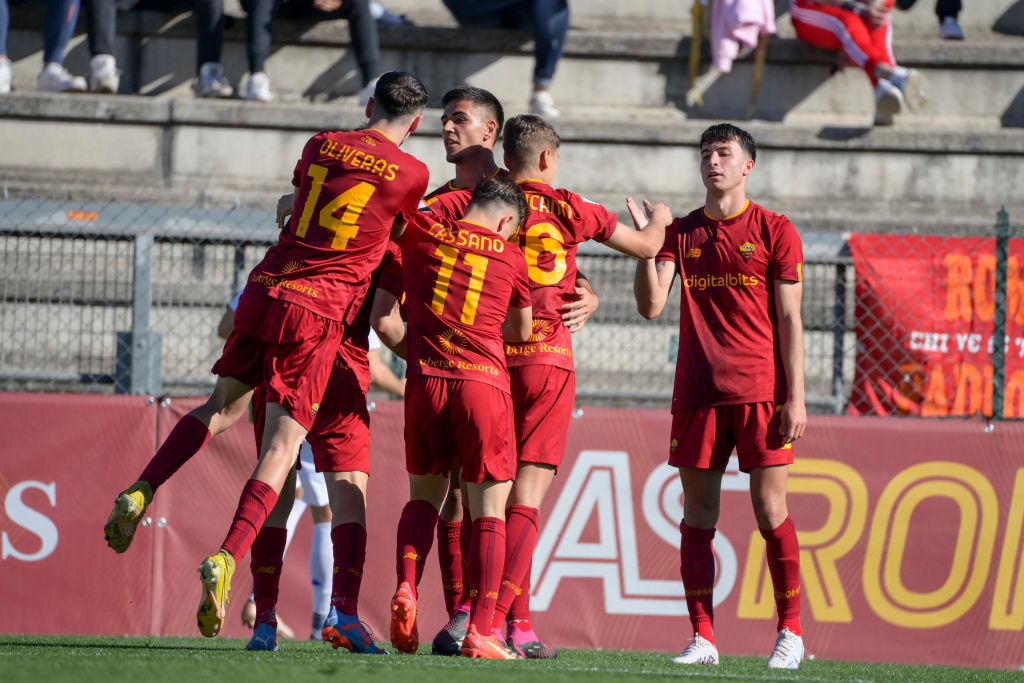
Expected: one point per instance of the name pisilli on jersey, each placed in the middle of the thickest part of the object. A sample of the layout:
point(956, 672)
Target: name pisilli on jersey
point(460, 280)
point(350, 186)
point(728, 346)
point(559, 221)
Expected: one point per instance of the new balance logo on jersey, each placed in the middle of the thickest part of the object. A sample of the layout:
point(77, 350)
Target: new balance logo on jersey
point(693, 252)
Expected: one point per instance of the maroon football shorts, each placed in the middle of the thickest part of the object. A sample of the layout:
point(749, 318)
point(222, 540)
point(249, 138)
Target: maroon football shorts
point(284, 347)
point(340, 436)
point(451, 421)
point(704, 437)
point(542, 397)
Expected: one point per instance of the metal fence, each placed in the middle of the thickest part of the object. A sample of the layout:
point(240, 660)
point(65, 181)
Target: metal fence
point(120, 298)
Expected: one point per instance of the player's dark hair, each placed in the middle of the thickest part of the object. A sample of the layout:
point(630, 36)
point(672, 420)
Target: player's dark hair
point(478, 96)
point(501, 190)
point(527, 135)
point(399, 93)
point(726, 132)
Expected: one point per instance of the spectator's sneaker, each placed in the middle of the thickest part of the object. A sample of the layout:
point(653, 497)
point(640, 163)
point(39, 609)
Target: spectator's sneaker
point(888, 102)
point(386, 18)
point(5, 75)
point(484, 647)
point(345, 630)
point(215, 574)
point(129, 507)
point(211, 81)
point(258, 87)
point(404, 633)
point(526, 642)
point(264, 637)
point(543, 105)
point(699, 651)
point(788, 652)
point(103, 74)
point(913, 86)
point(950, 29)
point(448, 640)
point(55, 78)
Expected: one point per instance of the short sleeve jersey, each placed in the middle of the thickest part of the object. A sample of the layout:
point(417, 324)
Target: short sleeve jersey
point(559, 220)
point(728, 346)
point(450, 200)
point(350, 186)
point(460, 280)
point(351, 365)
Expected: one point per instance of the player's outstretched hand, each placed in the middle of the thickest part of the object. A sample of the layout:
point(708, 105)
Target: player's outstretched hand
point(636, 213)
point(284, 208)
point(578, 312)
point(658, 213)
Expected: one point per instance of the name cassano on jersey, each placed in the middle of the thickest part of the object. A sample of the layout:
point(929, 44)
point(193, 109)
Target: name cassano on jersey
point(470, 240)
point(359, 159)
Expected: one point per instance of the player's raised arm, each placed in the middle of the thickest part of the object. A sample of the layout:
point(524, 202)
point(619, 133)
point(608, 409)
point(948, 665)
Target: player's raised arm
point(653, 279)
point(646, 240)
point(518, 325)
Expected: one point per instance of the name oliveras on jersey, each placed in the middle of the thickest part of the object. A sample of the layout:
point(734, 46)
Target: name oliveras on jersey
point(359, 159)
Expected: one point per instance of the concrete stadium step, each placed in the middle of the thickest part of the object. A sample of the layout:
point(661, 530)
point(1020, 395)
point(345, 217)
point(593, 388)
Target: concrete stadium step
point(827, 178)
point(607, 70)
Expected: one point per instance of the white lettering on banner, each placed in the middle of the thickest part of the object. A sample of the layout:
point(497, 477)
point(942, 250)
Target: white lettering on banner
point(31, 520)
point(600, 483)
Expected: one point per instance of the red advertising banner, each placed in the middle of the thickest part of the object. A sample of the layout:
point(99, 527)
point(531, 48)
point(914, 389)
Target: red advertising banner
point(924, 309)
point(910, 531)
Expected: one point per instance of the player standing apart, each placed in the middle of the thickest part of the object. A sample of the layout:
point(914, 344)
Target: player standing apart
point(466, 290)
point(739, 378)
point(350, 186)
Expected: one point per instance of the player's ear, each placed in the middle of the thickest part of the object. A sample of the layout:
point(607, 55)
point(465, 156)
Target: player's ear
point(748, 166)
point(507, 224)
point(546, 158)
point(369, 108)
point(491, 130)
point(416, 122)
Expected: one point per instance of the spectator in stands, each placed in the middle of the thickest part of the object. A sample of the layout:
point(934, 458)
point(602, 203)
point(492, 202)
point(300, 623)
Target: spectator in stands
point(947, 11)
point(862, 30)
point(548, 20)
point(101, 25)
point(58, 26)
point(259, 17)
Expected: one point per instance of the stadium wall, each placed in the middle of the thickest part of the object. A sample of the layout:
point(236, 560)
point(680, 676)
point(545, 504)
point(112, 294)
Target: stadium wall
point(910, 532)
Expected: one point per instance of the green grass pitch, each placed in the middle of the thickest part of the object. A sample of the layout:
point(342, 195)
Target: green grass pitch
point(89, 659)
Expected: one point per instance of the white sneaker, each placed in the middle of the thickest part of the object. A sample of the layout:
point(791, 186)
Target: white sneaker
point(5, 75)
point(258, 87)
point(788, 652)
point(950, 29)
point(543, 105)
point(699, 651)
point(55, 78)
point(912, 84)
point(211, 81)
point(103, 74)
point(888, 102)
